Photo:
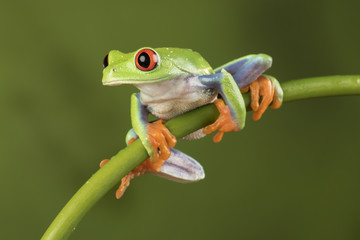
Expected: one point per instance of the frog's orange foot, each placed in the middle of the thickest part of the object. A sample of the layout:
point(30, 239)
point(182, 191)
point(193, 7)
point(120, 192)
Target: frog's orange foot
point(125, 181)
point(161, 139)
point(224, 123)
point(262, 94)
point(144, 167)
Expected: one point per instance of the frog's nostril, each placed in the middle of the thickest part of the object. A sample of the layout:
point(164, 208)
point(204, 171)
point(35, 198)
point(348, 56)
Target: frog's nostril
point(114, 69)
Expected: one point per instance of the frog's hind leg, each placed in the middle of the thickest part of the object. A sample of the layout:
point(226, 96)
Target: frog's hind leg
point(247, 69)
point(247, 73)
point(265, 90)
point(155, 136)
point(181, 168)
point(232, 116)
point(178, 167)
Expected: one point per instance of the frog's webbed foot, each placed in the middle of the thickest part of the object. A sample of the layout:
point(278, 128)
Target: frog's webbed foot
point(144, 167)
point(179, 167)
point(224, 123)
point(263, 92)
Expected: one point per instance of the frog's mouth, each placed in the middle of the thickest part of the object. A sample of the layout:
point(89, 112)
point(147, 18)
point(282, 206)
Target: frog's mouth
point(116, 82)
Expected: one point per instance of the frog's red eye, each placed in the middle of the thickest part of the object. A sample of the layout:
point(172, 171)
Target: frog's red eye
point(146, 60)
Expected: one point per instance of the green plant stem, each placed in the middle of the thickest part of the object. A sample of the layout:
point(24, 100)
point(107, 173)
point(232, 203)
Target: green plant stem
point(127, 159)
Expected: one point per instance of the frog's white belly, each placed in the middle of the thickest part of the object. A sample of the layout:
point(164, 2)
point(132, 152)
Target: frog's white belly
point(173, 97)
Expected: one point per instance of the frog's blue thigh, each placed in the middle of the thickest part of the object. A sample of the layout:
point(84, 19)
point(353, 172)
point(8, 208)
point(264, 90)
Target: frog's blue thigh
point(247, 69)
point(178, 167)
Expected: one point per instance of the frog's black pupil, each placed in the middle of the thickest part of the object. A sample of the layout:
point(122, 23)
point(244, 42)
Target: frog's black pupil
point(144, 60)
point(106, 61)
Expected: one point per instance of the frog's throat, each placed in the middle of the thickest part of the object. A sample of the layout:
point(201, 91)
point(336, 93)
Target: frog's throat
point(116, 82)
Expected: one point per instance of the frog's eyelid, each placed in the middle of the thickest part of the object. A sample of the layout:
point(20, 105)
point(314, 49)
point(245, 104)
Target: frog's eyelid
point(106, 61)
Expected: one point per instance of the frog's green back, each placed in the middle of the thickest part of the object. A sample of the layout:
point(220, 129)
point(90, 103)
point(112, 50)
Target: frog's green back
point(186, 59)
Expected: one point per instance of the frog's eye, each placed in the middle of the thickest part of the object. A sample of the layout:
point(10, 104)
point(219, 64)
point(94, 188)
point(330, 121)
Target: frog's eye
point(106, 61)
point(146, 60)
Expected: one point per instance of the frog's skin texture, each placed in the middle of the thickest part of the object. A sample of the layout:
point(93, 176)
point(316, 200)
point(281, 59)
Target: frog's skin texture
point(173, 81)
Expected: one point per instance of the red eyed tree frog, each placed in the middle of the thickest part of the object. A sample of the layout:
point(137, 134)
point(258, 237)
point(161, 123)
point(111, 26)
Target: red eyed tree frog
point(173, 81)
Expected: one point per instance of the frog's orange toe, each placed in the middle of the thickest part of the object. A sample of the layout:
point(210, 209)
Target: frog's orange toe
point(125, 182)
point(276, 101)
point(144, 167)
point(103, 162)
point(160, 138)
point(218, 137)
point(262, 94)
point(131, 140)
point(224, 123)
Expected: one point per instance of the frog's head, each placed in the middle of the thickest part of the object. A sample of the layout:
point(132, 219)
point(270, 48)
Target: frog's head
point(149, 65)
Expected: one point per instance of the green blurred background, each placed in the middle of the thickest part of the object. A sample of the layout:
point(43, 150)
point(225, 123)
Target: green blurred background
point(292, 175)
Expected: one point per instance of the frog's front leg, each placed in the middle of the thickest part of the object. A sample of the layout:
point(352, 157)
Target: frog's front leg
point(247, 69)
point(155, 137)
point(232, 116)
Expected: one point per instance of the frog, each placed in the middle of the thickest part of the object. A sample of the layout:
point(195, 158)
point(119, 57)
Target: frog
point(173, 81)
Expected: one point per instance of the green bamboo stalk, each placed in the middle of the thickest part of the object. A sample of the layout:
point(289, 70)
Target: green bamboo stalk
point(128, 158)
